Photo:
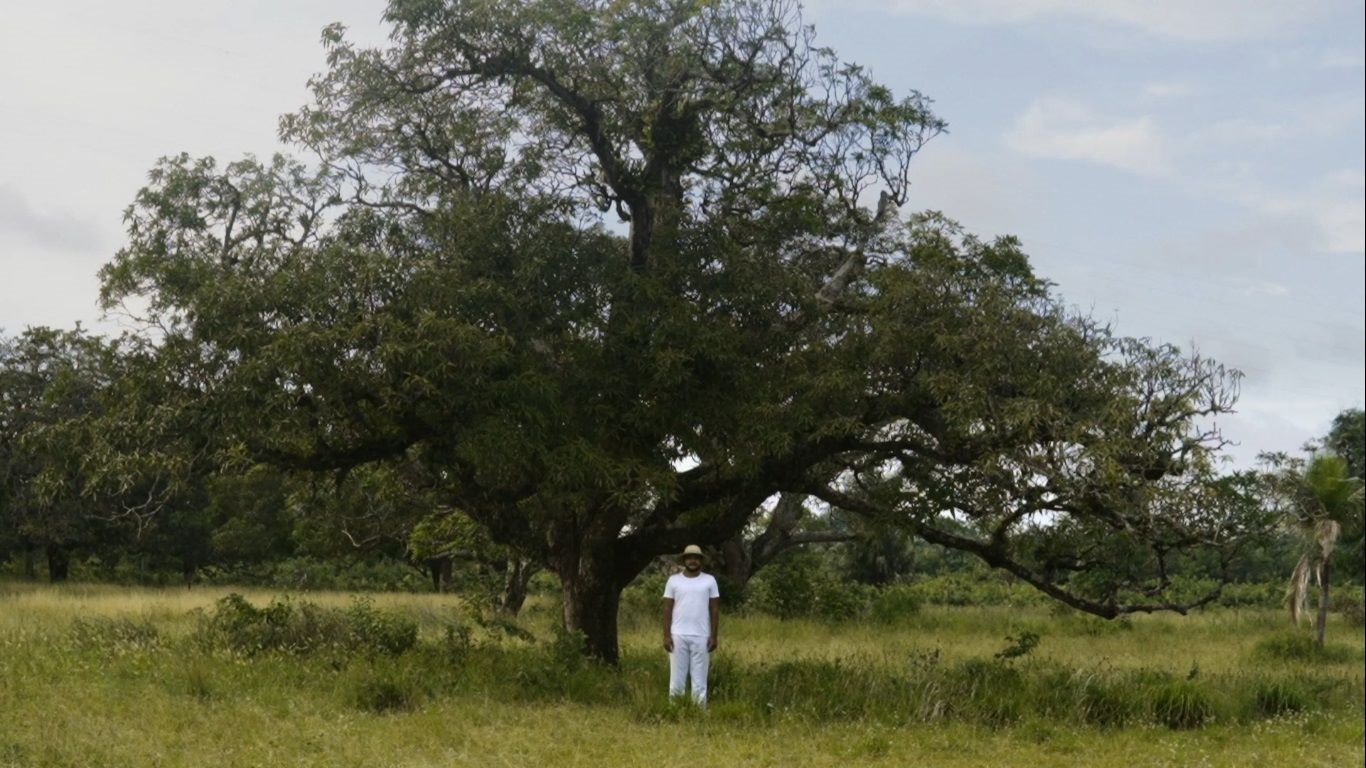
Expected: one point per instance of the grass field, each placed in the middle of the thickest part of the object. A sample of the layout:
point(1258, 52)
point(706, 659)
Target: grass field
point(104, 676)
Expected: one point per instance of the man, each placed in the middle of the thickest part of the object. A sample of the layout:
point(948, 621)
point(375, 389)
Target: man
point(692, 610)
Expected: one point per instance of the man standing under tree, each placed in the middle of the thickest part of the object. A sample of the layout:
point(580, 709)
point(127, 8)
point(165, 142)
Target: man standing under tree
point(692, 610)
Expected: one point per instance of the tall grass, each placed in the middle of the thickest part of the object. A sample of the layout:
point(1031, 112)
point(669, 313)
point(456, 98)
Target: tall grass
point(197, 668)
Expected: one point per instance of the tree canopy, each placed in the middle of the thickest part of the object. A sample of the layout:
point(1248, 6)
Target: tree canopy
point(442, 288)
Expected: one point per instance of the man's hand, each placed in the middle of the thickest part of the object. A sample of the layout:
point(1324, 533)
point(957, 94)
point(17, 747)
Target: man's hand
point(711, 644)
point(669, 643)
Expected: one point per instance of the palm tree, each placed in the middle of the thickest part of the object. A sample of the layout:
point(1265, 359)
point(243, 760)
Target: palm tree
point(1326, 497)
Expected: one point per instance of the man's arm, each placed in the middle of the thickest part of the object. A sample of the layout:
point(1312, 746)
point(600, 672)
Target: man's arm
point(714, 608)
point(669, 624)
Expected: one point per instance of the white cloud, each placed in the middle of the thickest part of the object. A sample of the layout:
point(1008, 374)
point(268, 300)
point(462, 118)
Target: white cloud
point(20, 220)
point(1168, 90)
point(986, 194)
point(1214, 161)
point(1254, 288)
point(1065, 129)
point(1191, 20)
point(1335, 204)
point(1322, 118)
point(1342, 60)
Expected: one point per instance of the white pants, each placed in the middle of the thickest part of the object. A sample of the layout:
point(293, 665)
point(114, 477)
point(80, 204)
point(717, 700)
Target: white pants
point(689, 659)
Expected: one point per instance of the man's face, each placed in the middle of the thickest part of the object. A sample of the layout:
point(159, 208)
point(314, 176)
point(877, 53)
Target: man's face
point(692, 563)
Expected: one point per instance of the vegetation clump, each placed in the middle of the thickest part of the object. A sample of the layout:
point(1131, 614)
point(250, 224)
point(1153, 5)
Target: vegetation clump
point(303, 628)
point(1300, 647)
point(117, 634)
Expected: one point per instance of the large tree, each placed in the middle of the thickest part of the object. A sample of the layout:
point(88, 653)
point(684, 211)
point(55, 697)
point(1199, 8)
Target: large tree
point(444, 288)
point(49, 379)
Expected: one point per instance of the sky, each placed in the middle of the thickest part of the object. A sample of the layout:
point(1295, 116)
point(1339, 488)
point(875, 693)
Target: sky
point(1191, 171)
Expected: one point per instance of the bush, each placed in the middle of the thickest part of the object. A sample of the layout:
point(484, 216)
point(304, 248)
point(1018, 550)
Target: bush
point(1180, 704)
point(381, 689)
point(894, 603)
point(312, 573)
point(799, 586)
point(234, 624)
point(1301, 647)
point(643, 599)
point(1107, 703)
point(1280, 697)
point(970, 588)
point(559, 670)
point(1252, 595)
point(1350, 602)
point(785, 589)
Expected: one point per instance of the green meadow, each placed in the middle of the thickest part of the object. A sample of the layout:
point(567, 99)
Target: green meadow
point(114, 676)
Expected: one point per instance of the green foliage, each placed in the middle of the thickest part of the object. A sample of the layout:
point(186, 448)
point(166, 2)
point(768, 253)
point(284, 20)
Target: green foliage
point(1301, 647)
point(440, 295)
point(1347, 438)
point(802, 585)
point(977, 587)
point(1351, 604)
point(642, 602)
point(1281, 697)
point(1106, 701)
point(894, 604)
point(375, 574)
point(559, 670)
point(813, 682)
point(1021, 644)
point(1181, 704)
point(303, 628)
point(380, 686)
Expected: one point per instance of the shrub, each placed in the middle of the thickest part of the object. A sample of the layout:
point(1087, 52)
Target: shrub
point(1108, 703)
point(381, 688)
point(1280, 697)
point(313, 573)
point(1252, 595)
point(559, 670)
point(1180, 704)
point(1300, 646)
point(786, 589)
point(1349, 602)
point(799, 586)
point(990, 691)
point(456, 641)
point(234, 624)
point(970, 588)
point(839, 600)
point(894, 603)
point(1021, 644)
point(643, 599)
point(374, 630)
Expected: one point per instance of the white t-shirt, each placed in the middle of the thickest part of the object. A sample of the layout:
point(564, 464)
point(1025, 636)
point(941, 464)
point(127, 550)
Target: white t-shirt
point(692, 603)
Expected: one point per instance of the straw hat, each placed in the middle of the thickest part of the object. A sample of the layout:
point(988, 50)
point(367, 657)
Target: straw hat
point(690, 550)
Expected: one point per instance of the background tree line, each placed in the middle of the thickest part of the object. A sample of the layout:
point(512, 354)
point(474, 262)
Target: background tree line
point(310, 530)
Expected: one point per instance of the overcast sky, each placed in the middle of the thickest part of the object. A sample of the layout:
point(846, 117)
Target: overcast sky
point(1191, 170)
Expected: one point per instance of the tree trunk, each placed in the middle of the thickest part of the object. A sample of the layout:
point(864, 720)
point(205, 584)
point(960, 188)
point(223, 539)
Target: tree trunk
point(58, 563)
point(30, 564)
point(518, 577)
point(440, 569)
point(1321, 621)
point(591, 601)
point(736, 564)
